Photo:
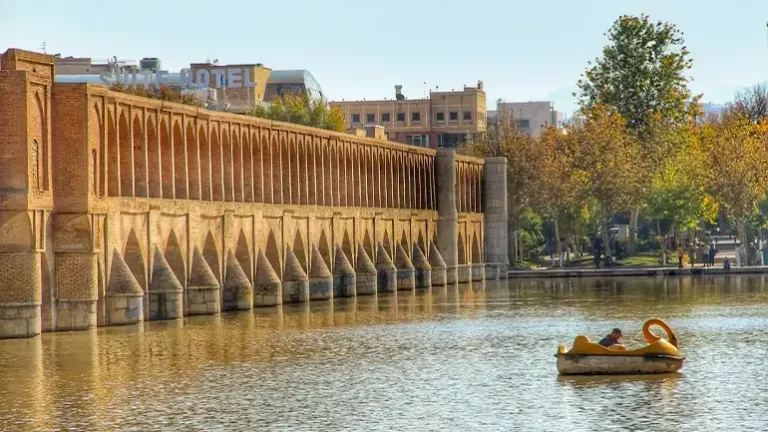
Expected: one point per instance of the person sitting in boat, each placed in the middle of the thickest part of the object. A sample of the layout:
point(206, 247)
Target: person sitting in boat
point(612, 339)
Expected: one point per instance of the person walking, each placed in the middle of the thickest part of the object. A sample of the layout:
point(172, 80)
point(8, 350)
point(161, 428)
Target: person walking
point(680, 255)
point(596, 252)
point(703, 253)
point(692, 253)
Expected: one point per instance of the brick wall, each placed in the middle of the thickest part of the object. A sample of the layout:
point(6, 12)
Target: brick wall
point(71, 151)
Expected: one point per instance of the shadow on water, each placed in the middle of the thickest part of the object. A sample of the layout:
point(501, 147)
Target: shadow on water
point(578, 381)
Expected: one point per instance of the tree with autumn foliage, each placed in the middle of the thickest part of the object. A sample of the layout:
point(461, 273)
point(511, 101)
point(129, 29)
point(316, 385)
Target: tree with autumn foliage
point(736, 158)
point(558, 192)
point(304, 111)
point(502, 138)
point(677, 193)
point(642, 74)
point(605, 163)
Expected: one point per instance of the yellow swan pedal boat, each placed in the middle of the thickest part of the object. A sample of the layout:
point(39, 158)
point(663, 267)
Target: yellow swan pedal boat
point(589, 358)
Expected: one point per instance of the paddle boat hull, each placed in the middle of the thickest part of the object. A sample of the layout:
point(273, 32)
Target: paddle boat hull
point(575, 364)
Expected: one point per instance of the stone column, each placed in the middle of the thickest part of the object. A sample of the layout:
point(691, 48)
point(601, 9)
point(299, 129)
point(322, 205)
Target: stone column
point(496, 218)
point(447, 223)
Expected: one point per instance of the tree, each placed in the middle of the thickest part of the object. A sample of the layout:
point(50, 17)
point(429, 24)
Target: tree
point(752, 103)
point(736, 156)
point(503, 139)
point(605, 163)
point(677, 194)
point(303, 111)
point(558, 194)
point(642, 74)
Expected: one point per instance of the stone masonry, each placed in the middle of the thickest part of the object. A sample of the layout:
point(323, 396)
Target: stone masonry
point(115, 209)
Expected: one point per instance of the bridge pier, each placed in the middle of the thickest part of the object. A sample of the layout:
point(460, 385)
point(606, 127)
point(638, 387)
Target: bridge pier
point(76, 282)
point(365, 274)
point(267, 288)
point(238, 292)
point(439, 277)
point(406, 278)
point(386, 272)
point(297, 288)
point(423, 270)
point(447, 223)
point(496, 218)
point(125, 298)
point(20, 280)
point(203, 291)
point(166, 294)
point(344, 277)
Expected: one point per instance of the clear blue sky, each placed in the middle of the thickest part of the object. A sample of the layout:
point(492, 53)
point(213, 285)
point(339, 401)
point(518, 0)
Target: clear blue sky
point(522, 50)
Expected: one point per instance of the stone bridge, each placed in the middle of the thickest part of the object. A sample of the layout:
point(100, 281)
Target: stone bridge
point(116, 209)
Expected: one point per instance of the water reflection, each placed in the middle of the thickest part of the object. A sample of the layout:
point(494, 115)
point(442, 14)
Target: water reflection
point(468, 357)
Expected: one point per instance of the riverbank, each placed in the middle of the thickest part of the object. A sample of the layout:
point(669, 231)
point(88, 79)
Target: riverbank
point(633, 271)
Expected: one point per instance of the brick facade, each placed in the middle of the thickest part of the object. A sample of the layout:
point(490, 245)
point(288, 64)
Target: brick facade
point(92, 176)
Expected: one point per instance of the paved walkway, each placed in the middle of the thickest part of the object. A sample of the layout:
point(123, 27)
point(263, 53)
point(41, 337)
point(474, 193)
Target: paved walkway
point(634, 271)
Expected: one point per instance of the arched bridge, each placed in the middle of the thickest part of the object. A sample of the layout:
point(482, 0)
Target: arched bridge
point(118, 209)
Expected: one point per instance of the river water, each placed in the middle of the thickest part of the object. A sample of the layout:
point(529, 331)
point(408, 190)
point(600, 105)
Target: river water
point(448, 359)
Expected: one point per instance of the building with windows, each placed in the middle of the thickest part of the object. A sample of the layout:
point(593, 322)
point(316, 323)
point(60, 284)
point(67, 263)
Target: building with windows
point(293, 82)
point(444, 119)
point(530, 117)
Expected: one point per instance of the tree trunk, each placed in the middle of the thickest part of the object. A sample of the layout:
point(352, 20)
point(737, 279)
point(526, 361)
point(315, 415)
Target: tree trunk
point(632, 230)
point(663, 241)
point(606, 237)
point(559, 246)
point(741, 226)
point(512, 244)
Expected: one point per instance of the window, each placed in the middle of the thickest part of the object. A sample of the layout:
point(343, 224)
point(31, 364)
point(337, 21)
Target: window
point(370, 118)
point(415, 116)
point(385, 117)
point(440, 116)
point(453, 116)
point(417, 140)
point(355, 118)
point(522, 124)
point(467, 115)
point(401, 117)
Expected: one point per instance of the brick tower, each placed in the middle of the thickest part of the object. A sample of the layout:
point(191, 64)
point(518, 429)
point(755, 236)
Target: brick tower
point(26, 200)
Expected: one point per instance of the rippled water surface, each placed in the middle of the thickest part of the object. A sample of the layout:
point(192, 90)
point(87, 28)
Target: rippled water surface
point(449, 359)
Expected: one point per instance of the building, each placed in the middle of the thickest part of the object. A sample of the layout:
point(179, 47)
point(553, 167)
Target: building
point(86, 70)
point(118, 208)
point(236, 99)
point(293, 82)
point(531, 117)
point(87, 66)
point(444, 119)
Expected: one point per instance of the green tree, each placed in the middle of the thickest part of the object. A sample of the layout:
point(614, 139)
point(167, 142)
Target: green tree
point(642, 74)
point(303, 111)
